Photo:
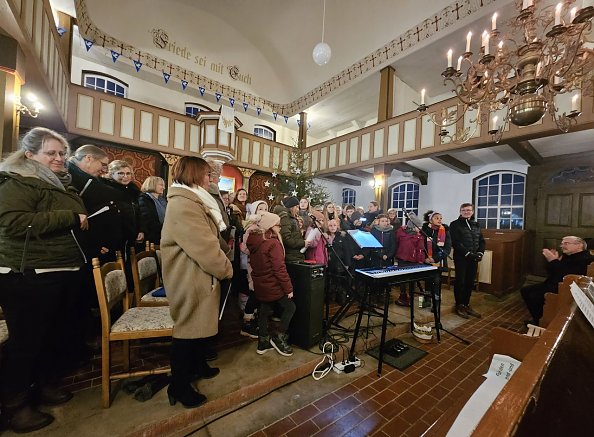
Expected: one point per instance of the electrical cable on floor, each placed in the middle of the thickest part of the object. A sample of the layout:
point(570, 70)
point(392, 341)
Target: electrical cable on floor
point(324, 367)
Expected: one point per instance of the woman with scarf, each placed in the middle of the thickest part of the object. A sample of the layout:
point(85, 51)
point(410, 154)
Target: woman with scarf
point(152, 208)
point(193, 266)
point(410, 247)
point(40, 278)
point(438, 244)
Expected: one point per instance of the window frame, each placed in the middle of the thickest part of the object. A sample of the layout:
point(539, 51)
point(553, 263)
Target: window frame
point(108, 79)
point(265, 128)
point(197, 106)
point(487, 190)
point(402, 207)
point(346, 194)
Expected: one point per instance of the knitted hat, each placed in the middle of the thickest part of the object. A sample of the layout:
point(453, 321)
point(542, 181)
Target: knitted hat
point(253, 207)
point(290, 202)
point(268, 220)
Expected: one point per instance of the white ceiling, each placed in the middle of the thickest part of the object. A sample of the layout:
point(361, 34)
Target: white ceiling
point(283, 33)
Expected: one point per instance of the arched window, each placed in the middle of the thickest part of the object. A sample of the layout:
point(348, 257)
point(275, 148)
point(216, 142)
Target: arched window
point(349, 196)
point(405, 196)
point(105, 83)
point(499, 200)
point(192, 109)
point(264, 132)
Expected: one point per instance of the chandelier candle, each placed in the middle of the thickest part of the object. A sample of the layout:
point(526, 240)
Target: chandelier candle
point(468, 36)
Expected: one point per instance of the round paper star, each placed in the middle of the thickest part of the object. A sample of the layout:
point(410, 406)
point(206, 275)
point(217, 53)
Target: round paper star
point(293, 193)
point(274, 174)
point(267, 184)
point(270, 197)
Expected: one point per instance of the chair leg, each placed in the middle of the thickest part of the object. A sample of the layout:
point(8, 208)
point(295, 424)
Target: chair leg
point(105, 374)
point(126, 357)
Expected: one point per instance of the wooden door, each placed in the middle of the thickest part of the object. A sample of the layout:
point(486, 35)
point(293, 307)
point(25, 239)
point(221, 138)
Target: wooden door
point(559, 202)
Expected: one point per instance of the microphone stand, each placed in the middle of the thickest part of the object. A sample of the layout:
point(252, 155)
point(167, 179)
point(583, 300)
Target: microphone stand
point(436, 285)
point(326, 337)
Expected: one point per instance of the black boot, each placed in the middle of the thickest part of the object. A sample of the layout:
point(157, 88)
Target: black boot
point(53, 395)
point(19, 416)
point(200, 366)
point(183, 362)
point(186, 395)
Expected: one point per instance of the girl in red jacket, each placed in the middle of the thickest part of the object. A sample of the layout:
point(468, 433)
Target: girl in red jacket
point(272, 284)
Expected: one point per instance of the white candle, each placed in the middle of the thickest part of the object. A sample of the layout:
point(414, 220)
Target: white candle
point(526, 3)
point(558, 14)
point(468, 36)
point(494, 21)
point(557, 80)
point(575, 102)
point(494, 126)
point(423, 96)
point(450, 58)
point(485, 42)
point(572, 14)
point(538, 67)
point(459, 63)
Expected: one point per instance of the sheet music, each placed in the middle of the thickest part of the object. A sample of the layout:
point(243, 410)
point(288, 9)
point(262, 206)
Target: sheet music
point(583, 302)
point(99, 211)
point(500, 371)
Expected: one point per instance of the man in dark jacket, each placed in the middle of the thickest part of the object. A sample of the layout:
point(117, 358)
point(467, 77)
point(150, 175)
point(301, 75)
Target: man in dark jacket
point(469, 247)
point(292, 239)
point(573, 260)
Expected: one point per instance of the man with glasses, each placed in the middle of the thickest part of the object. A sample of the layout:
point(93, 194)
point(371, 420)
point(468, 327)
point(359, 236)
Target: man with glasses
point(574, 259)
point(469, 247)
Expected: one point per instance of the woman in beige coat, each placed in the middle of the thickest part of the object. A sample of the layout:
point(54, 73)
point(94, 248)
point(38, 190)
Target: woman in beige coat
point(193, 266)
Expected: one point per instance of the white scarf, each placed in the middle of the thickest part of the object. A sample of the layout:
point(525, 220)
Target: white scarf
point(208, 201)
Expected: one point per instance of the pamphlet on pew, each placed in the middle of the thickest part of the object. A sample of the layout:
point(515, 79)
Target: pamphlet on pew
point(500, 371)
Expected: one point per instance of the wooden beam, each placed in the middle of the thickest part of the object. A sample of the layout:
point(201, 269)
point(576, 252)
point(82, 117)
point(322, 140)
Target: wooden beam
point(526, 152)
point(453, 163)
point(342, 180)
point(404, 167)
point(360, 173)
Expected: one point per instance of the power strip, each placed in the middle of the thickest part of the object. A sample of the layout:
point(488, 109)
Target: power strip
point(347, 366)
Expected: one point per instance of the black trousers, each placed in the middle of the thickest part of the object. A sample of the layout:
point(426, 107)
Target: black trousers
point(187, 359)
point(534, 297)
point(267, 308)
point(43, 326)
point(464, 283)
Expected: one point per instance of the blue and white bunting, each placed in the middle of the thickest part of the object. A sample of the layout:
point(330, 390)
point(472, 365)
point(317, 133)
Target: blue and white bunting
point(232, 101)
point(298, 122)
point(275, 114)
point(61, 30)
point(88, 44)
point(114, 55)
point(286, 117)
point(137, 65)
point(245, 106)
point(166, 76)
point(201, 89)
point(184, 84)
point(258, 111)
point(218, 96)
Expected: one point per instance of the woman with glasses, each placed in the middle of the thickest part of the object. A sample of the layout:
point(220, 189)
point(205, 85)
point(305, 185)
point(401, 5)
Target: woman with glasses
point(152, 205)
point(40, 262)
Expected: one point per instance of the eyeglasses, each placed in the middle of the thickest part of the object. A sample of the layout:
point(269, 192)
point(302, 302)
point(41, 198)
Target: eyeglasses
point(104, 165)
point(122, 174)
point(54, 153)
point(563, 243)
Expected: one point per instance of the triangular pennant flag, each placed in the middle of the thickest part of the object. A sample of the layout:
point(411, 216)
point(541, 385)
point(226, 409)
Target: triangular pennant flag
point(201, 89)
point(298, 122)
point(275, 114)
point(218, 96)
point(286, 117)
point(245, 106)
point(61, 30)
point(137, 64)
point(166, 76)
point(258, 110)
point(88, 44)
point(184, 84)
point(232, 101)
point(114, 55)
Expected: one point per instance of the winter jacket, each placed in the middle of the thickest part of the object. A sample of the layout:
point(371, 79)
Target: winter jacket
point(269, 273)
point(193, 265)
point(128, 205)
point(411, 247)
point(342, 247)
point(440, 253)
point(574, 264)
point(386, 238)
point(292, 239)
point(317, 249)
point(52, 214)
point(151, 226)
point(466, 237)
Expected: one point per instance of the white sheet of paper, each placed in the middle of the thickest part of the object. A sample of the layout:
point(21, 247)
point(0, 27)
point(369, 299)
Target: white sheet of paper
point(583, 302)
point(500, 371)
point(99, 211)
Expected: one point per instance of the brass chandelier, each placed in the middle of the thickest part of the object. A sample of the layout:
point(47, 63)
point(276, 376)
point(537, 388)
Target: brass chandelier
point(520, 72)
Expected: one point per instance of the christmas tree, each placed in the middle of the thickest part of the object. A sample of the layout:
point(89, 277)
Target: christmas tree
point(298, 181)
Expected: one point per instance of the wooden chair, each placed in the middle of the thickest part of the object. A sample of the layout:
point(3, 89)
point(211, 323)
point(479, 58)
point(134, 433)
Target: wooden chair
point(134, 323)
point(146, 277)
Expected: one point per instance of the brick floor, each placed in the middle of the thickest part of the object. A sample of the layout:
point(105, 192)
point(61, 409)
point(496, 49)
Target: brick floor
point(406, 403)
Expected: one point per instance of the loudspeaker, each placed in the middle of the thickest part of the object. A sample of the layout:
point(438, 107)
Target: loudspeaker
point(305, 329)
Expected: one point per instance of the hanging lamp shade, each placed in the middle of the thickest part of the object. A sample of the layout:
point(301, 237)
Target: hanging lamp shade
point(321, 53)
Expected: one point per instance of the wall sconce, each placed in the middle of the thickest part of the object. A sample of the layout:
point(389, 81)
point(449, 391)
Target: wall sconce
point(33, 110)
point(378, 182)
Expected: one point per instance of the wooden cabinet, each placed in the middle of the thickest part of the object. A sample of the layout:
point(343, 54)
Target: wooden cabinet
point(504, 270)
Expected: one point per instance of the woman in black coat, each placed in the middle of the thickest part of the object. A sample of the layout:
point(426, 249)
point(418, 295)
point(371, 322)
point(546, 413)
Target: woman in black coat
point(152, 205)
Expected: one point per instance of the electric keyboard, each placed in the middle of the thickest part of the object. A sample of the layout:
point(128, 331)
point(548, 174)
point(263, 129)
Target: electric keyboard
point(390, 271)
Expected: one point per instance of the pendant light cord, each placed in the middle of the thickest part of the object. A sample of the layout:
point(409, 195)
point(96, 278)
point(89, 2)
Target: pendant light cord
point(323, 20)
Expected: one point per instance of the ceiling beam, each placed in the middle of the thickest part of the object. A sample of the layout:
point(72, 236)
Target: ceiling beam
point(526, 152)
point(404, 167)
point(453, 163)
point(342, 180)
point(361, 173)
